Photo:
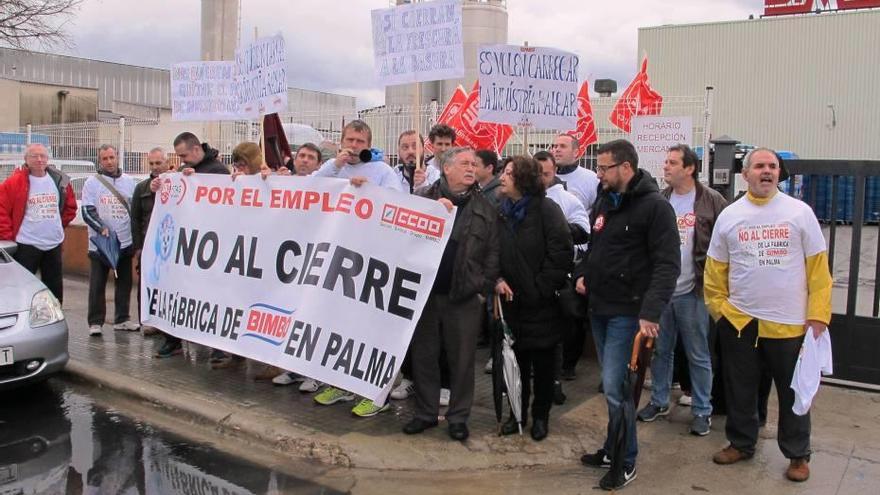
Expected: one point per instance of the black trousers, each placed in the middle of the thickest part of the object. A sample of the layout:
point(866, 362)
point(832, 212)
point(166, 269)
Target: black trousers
point(744, 357)
point(47, 262)
point(98, 285)
point(452, 327)
point(537, 370)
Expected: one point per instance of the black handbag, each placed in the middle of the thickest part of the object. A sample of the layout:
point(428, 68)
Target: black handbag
point(572, 304)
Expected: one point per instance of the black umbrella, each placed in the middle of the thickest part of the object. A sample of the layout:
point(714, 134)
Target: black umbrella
point(108, 249)
point(624, 416)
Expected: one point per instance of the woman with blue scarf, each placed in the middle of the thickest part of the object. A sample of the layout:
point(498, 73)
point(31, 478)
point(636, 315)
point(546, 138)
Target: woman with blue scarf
point(535, 257)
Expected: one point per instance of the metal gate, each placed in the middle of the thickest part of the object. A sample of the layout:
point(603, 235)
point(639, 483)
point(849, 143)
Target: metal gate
point(845, 195)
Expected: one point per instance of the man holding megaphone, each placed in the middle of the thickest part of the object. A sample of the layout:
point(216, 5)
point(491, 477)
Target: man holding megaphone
point(357, 162)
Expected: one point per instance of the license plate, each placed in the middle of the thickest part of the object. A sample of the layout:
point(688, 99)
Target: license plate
point(6, 356)
point(8, 474)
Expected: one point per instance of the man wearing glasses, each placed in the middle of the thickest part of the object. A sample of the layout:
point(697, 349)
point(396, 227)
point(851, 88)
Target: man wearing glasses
point(36, 204)
point(630, 271)
point(142, 207)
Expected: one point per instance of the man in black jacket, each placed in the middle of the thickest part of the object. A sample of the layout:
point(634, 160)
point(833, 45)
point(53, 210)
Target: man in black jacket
point(630, 272)
point(197, 155)
point(202, 159)
point(141, 208)
point(451, 318)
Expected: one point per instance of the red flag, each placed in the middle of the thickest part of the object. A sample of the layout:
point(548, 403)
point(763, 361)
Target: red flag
point(586, 127)
point(637, 99)
point(453, 108)
point(470, 131)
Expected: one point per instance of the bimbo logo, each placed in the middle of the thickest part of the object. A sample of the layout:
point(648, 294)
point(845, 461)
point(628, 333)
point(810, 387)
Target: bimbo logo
point(268, 324)
point(415, 221)
point(172, 190)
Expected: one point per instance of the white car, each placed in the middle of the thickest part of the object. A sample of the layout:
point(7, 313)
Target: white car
point(33, 331)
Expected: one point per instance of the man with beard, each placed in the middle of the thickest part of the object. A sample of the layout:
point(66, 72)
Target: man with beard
point(630, 272)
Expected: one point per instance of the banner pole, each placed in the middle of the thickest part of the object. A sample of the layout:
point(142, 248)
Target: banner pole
point(417, 124)
point(262, 117)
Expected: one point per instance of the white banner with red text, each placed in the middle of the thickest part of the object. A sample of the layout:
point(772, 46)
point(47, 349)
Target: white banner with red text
point(312, 275)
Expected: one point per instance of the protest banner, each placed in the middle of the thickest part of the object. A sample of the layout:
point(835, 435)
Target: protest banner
point(260, 84)
point(528, 86)
point(418, 42)
point(202, 91)
point(652, 136)
point(308, 274)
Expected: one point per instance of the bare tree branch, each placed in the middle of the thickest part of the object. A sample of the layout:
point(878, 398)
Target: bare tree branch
point(24, 23)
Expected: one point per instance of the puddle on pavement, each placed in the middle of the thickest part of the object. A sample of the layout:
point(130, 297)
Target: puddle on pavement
point(54, 440)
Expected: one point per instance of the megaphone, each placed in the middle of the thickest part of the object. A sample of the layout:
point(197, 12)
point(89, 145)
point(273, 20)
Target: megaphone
point(371, 155)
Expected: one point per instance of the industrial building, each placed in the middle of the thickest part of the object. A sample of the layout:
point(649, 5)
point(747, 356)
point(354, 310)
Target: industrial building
point(805, 83)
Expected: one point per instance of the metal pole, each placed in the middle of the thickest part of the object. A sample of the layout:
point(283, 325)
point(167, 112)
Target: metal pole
point(28, 129)
point(707, 132)
point(122, 143)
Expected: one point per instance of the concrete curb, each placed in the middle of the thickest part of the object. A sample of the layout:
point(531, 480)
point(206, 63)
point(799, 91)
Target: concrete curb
point(264, 429)
point(431, 451)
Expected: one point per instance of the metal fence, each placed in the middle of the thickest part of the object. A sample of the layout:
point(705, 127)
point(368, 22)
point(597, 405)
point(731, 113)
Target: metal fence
point(134, 138)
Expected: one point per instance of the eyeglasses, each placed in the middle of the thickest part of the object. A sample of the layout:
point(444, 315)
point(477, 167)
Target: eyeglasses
point(160, 162)
point(240, 164)
point(601, 169)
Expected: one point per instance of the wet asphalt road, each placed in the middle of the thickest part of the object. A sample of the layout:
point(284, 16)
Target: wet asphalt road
point(55, 439)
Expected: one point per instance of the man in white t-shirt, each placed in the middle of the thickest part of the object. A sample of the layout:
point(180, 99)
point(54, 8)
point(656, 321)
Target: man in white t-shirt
point(357, 137)
point(580, 181)
point(104, 211)
point(767, 284)
point(36, 204)
point(696, 209)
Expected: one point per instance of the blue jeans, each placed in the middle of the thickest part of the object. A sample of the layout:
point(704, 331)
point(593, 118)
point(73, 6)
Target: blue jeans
point(614, 336)
point(684, 317)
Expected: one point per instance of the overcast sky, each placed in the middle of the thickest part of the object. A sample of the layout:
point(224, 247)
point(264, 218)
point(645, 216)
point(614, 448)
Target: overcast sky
point(329, 41)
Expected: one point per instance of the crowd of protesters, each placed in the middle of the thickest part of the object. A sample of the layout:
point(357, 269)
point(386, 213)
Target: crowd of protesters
point(563, 250)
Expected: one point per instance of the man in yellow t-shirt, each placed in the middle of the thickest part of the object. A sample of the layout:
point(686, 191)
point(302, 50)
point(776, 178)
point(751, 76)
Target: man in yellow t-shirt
point(767, 284)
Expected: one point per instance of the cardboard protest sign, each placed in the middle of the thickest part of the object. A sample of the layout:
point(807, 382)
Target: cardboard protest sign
point(202, 91)
point(313, 275)
point(652, 136)
point(528, 86)
point(260, 85)
point(418, 42)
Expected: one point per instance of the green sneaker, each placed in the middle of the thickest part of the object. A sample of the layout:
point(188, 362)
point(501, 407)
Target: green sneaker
point(332, 395)
point(367, 408)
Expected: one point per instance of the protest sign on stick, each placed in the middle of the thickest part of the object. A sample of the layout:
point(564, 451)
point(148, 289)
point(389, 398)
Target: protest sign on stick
point(652, 137)
point(261, 77)
point(418, 42)
point(334, 296)
point(202, 91)
point(528, 86)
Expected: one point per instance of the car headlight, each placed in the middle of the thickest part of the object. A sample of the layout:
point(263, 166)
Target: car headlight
point(45, 309)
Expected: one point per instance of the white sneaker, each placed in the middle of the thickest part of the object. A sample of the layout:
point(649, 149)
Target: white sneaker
point(287, 378)
point(444, 396)
point(128, 326)
point(94, 330)
point(685, 400)
point(488, 368)
point(402, 391)
point(310, 385)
